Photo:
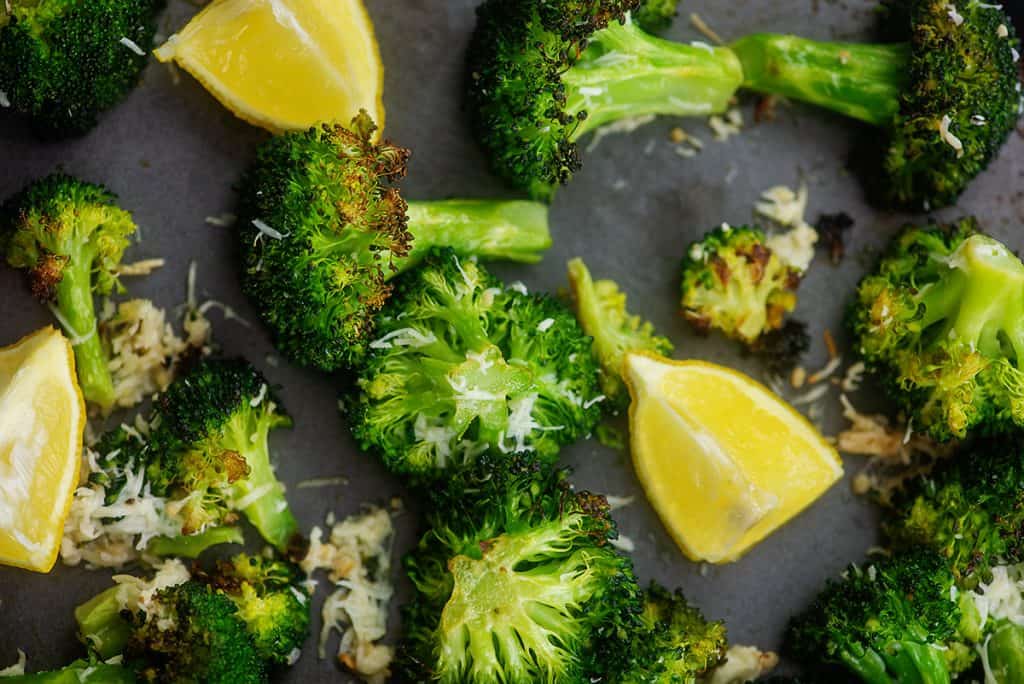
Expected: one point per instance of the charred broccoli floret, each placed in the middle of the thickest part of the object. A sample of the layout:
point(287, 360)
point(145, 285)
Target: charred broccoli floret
point(516, 582)
point(732, 281)
point(67, 61)
point(946, 98)
point(888, 622)
point(675, 645)
point(323, 229)
point(601, 310)
point(543, 74)
point(654, 16)
point(205, 460)
point(464, 364)
point(69, 236)
point(939, 321)
point(970, 509)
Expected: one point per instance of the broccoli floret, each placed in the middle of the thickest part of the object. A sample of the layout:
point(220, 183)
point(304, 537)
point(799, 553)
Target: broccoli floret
point(541, 74)
point(888, 622)
point(464, 365)
point(69, 237)
point(323, 230)
point(66, 61)
point(272, 602)
point(946, 98)
point(655, 16)
point(206, 457)
point(970, 509)
point(675, 645)
point(601, 310)
point(939, 321)
point(78, 672)
point(516, 582)
point(734, 282)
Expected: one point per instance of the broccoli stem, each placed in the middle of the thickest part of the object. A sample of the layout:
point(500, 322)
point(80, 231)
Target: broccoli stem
point(79, 672)
point(512, 230)
point(260, 495)
point(626, 73)
point(100, 625)
point(1005, 651)
point(78, 318)
point(192, 545)
point(857, 80)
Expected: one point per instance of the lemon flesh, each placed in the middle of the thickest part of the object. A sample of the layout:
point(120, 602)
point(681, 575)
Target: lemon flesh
point(42, 419)
point(284, 64)
point(722, 459)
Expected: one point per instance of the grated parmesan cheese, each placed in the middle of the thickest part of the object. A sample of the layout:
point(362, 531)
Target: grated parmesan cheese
point(224, 220)
point(137, 595)
point(358, 608)
point(725, 127)
point(132, 45)
point(623, 543)
point(949, 138)
point(17, 669)
point(742, 664)
point(787, 208)
point(627, 125)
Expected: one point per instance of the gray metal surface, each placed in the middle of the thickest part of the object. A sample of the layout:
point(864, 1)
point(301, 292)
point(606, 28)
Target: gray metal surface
point(172, 154)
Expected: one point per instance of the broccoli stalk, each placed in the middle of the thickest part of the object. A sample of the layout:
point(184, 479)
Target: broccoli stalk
point(940, 319)
point(543, 74)
point(1004, 652)
point(324, 231)
point(70, 236)
point(78, 672)
point(946, 97)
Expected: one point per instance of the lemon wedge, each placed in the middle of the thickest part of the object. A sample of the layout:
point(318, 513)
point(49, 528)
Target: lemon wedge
point(284, 64)
point(722, 459)
point(42, 419)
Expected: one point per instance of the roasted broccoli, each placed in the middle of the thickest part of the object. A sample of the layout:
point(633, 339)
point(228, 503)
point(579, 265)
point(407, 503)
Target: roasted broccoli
point(675, 645)
point(888, 622)
point(734, 282)
point(516, 582)
point(78, 672)
point(601, 310)
point(69, 237)
point(323, 230)
point(66, 61)
point(654, 16)
point(463, 365)
point(946, 98)
point(205, 459)
point(542, 74)
point(970, 509)
point(939, 321)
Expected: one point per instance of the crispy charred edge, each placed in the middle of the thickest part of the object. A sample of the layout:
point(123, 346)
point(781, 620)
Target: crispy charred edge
point(781, 349)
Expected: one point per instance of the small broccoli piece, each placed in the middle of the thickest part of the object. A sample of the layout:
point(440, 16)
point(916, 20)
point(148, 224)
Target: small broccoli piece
point(516, 582)
point(69, 237)
point(939, 321)
point(601, 310)
point(734, 282)
point(542, 74)
point(323, 229)
point(889, 622)
point(196, 637)
point(67, 61)
point(464, 365)
point(272, 602)
point(655, 16)
point(78, 672)
point(946, 99)
point(970, 509)
point(676, 645)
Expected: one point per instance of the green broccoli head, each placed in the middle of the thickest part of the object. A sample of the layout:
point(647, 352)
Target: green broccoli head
point(67, 61)
point(210, 451)
point(195, 636)
point(516, 581)
point(946, 97)
point(939, 320)
point(887, 622)
point(541, 74)
point(69, 237)
point(655, 16)
point(323, 229)
point(601, 310)
point(675, 645)
point(732, 281)
point(463, 365)
point(971, 510)
point(272, 602)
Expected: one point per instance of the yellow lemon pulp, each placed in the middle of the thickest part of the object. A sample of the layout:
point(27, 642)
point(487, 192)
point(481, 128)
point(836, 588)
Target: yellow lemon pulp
point(42, 419)
point(722, 459)
point(284, 64)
